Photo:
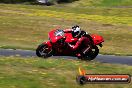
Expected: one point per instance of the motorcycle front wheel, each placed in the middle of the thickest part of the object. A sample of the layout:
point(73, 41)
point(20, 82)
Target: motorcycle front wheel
point(43, 51)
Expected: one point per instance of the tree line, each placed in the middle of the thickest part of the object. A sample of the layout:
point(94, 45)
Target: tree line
point(21, 1)
point(16, 1)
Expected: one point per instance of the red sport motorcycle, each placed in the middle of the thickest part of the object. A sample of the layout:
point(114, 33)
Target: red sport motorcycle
point(58, 45)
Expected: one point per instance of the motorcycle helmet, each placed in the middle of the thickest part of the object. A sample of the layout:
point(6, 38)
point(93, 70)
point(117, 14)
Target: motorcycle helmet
point(76, 30)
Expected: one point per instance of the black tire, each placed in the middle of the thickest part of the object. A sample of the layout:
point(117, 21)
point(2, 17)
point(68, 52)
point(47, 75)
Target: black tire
point(41, 51)
point(91, 54)
point(81, 80)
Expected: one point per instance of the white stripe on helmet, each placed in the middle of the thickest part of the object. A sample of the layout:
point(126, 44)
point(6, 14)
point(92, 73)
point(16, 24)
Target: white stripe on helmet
point(77, 29)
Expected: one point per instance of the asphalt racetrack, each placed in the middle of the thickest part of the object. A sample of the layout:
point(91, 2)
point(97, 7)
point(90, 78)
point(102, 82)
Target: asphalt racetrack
point(101, 58)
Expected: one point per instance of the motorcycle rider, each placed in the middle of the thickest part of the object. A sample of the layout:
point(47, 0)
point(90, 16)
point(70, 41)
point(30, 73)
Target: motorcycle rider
point(76, 31)
point(82, 37)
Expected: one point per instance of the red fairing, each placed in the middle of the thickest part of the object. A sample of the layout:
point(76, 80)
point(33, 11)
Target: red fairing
point(52, 36)
point(97, 39)
point(47, 43)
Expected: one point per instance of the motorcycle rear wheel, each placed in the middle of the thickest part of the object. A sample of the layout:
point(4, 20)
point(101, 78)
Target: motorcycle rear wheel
point(91, 54)
point(42, 51)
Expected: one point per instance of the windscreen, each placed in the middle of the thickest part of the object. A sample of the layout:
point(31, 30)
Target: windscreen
point(59, 33)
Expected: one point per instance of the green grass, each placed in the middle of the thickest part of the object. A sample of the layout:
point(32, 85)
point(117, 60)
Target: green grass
point(17, 72)
point(116, 3)
point(26, 26)
point(102, 3)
